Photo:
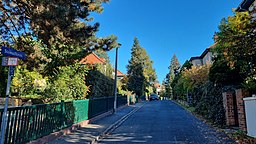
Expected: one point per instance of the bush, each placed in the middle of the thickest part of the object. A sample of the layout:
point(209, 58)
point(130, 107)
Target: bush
point(210, 104)
point(207, 97)
point(27, 82)
point(100, 85)
point(67, 84)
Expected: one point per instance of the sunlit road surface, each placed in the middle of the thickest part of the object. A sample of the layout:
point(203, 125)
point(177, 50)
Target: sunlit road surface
point(164, 122)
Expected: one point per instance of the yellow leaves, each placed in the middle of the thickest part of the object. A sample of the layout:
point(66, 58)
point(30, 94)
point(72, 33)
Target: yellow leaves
point(40, 84)
point(196, 76)
point(92, 7)
point(239, 22)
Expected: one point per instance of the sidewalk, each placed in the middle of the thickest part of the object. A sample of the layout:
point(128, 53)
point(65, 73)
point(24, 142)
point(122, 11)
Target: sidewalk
point(90, 132)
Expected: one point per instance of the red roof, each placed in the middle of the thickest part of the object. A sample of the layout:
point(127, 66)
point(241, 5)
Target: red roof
point(157, 85)
point(92, 58)
point(119, 73)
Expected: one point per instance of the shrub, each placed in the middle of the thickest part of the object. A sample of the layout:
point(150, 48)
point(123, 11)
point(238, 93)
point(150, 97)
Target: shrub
point(27, 82)
point(68, 83)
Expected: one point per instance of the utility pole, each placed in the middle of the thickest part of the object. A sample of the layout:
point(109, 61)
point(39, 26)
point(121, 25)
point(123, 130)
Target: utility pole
point(115, 86)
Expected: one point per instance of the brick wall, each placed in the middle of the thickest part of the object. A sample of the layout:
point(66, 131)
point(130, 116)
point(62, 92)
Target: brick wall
point(228, 103)
point(240, 94)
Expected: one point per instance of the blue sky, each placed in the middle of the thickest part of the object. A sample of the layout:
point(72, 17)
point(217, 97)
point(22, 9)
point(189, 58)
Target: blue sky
point(163, 27)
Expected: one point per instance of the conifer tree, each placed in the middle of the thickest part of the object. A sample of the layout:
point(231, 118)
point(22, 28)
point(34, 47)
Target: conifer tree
point(174, 68)
point(141, 73)
point(63, 30)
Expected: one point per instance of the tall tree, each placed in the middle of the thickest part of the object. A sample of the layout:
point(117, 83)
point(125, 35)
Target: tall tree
point(236, 42)
point(62, 28)
point(148, 71)
point(186, 66)
point(51, 21)
point(55, 35)
point(141, 73)
point(173, 70)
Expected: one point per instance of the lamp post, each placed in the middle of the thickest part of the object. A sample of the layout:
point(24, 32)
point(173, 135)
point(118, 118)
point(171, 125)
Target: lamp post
point(115, 86)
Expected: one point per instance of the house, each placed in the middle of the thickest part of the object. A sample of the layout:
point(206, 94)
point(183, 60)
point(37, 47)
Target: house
point(93, 59)
point(120, 75)
point(157, 86)
point(247, 5)
point(205, 58)
point(196, 61)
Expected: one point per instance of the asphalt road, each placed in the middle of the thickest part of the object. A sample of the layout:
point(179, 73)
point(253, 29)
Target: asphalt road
point(164, 122)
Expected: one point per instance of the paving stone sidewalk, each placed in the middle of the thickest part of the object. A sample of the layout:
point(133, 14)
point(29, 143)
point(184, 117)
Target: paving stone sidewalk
point(89, 132)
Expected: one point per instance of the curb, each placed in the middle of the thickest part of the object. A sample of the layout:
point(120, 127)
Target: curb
point(112, 127)
point(55, 135)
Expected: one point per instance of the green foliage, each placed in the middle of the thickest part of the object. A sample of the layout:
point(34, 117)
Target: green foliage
point(222, 74)
point(136, 81)
point(100, 81)
point(27, 82)
point(209, 103)
point(236, 43)
point(55, 35)
point(250, 83)
point(67, 84)
point(189, 80)
point(65, 21)
point(141, 74)
point(174, 68)
point(207, 96)
point(176, 84)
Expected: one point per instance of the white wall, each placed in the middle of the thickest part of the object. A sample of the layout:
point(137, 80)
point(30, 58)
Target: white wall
point(197, 62)
point(207, 58)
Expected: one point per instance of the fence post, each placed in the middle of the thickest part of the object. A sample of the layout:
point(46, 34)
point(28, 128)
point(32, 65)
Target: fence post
point(63, 113)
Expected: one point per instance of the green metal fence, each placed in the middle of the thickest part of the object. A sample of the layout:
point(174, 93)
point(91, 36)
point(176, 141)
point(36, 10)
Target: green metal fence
point(32, 122)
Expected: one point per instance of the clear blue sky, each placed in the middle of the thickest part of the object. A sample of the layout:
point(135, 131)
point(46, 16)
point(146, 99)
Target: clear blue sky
point(163, 27)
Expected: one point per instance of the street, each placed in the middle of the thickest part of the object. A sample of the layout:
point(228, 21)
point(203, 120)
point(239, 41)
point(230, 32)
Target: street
point(164, 122)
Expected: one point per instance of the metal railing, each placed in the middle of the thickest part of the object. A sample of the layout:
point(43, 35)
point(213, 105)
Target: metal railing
point(28, 123)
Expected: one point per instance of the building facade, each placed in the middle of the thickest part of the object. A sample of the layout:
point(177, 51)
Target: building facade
point(205, 58)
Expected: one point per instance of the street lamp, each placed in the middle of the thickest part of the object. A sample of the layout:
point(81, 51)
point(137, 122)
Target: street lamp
point(115, 86)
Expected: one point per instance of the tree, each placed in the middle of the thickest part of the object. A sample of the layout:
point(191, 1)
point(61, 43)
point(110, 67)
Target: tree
point(186, 66)
point(141, 73)
point(148, 72)
point(55, 35)
point(62, 27)
point(236, 42)
point(174, 69)
point(51, 21)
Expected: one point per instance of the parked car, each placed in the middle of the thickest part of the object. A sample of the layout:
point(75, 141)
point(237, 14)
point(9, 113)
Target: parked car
point(153, 97)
